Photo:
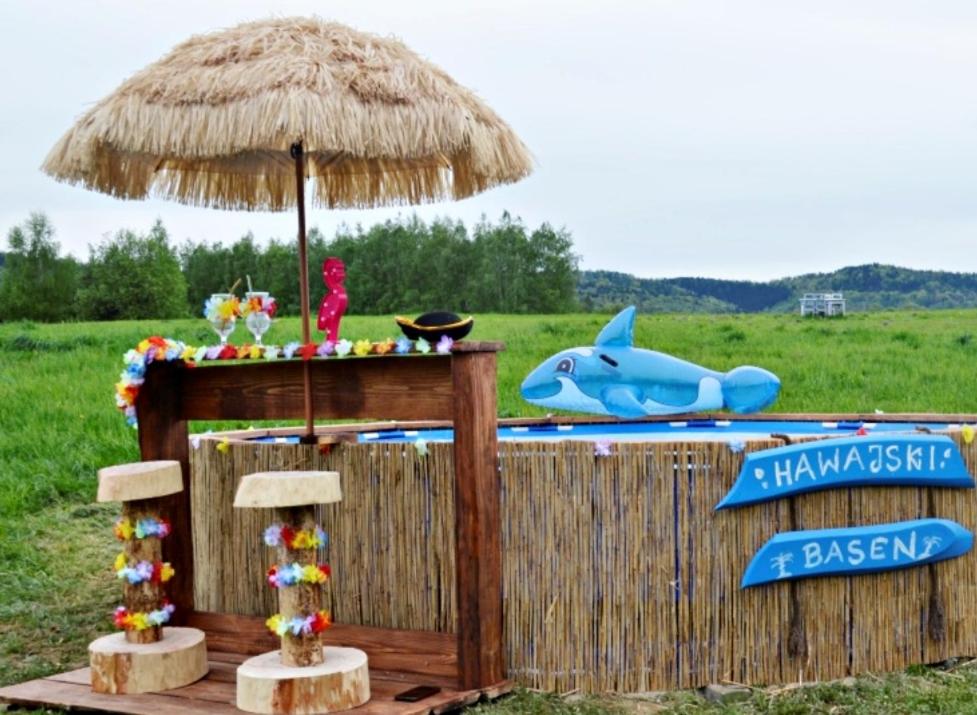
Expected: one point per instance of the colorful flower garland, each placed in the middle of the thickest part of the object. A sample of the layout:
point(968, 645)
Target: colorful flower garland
point(287, 536)
point(140, 621)
point(298, 626)
point(143, 528)
point(295, 573)
point(156, 348)
point(152, 571)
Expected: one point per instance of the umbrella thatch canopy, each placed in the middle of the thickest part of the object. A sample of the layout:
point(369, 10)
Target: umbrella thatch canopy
point(242, 118)
point(213, 124)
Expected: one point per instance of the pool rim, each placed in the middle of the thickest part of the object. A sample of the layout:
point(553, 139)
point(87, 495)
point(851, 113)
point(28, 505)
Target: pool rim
point(349, 431)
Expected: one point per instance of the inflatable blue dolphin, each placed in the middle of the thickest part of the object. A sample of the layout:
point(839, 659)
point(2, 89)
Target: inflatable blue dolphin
point(615, 378)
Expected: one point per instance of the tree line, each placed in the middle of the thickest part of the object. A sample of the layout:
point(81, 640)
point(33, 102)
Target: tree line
point(399, 266)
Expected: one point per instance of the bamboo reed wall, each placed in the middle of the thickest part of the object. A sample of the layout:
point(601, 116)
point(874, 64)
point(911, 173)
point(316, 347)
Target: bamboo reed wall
point(618, 573)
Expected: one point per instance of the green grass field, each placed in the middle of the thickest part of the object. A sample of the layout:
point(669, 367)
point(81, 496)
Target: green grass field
point(58, 425)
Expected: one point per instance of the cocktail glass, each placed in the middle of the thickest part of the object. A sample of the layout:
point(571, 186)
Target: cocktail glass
point(222, 326)
point(258, 321)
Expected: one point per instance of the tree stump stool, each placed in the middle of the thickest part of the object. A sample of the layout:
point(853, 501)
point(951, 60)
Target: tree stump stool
point(143, 657)
point(303, 676)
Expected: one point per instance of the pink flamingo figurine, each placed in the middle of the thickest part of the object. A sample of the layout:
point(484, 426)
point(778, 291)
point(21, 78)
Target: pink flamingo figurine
point(334, 303)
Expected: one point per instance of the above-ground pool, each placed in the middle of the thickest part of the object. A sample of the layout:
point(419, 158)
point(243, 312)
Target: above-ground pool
point(619, 574)
point(661, 431)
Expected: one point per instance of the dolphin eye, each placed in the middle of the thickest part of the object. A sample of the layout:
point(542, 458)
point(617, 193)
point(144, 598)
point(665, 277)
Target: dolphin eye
point(566, 365)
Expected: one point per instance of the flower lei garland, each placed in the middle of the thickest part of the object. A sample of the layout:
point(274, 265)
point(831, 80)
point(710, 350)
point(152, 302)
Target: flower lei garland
point(298, 626)
point(140, 621)
point(143, 528)
point(142, 572)
point(152, 571)
point(287, 536)
point(290, 574)
point(295, 573)
point(216, 308)
point(291, 538)
point(156, 349)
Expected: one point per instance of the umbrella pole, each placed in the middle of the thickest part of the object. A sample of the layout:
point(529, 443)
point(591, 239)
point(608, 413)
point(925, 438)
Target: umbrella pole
point(299, 157)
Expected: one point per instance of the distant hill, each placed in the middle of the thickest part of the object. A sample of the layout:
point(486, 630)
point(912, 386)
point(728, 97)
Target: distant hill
point(869, 287)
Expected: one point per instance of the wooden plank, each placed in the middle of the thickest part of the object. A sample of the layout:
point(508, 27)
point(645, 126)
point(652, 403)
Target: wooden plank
point(421, 652)
point(68, 696)
point(163, 435)
point(407, 680)
point(478, 526)
point(222, 672)
point(478, 346)
point(82, 676)
point(211, 687)
point(382, 694)
point(216, 695)
point(224, 657)
point(395, 387)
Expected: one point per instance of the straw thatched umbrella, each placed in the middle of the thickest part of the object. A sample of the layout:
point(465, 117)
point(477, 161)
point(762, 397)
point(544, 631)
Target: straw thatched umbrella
point(241, 118)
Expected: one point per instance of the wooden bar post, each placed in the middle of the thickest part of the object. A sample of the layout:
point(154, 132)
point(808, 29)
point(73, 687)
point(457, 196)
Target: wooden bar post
point(478, 544)
point(163, 435)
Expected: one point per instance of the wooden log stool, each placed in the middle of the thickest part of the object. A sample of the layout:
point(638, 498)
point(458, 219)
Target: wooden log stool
point(144, 657)
point(304, 676)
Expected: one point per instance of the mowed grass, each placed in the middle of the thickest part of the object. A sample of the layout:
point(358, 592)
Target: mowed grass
point(58, 425)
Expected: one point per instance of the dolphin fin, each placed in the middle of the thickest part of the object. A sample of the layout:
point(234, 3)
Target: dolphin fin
point(622, 401)
point(619, 332)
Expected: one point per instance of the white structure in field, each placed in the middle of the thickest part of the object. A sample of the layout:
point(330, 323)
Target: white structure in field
point(826, 304)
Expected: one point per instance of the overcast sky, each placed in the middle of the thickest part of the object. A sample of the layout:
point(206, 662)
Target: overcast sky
point(737, 139)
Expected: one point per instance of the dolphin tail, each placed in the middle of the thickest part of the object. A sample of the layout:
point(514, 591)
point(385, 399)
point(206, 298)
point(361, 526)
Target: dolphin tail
point(749, 389)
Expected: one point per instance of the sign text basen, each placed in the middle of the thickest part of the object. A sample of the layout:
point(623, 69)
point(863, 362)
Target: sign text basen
point(885, 460)
point(860, 549)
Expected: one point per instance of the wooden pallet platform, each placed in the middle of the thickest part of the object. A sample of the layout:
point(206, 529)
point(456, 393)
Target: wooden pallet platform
point(215, 693)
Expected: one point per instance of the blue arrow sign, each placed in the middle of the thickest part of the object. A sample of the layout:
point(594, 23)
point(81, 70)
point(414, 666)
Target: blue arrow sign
point(925, 460)
point(858, 550)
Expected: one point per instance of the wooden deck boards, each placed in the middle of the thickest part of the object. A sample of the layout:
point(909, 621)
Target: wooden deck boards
point(215, 693)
